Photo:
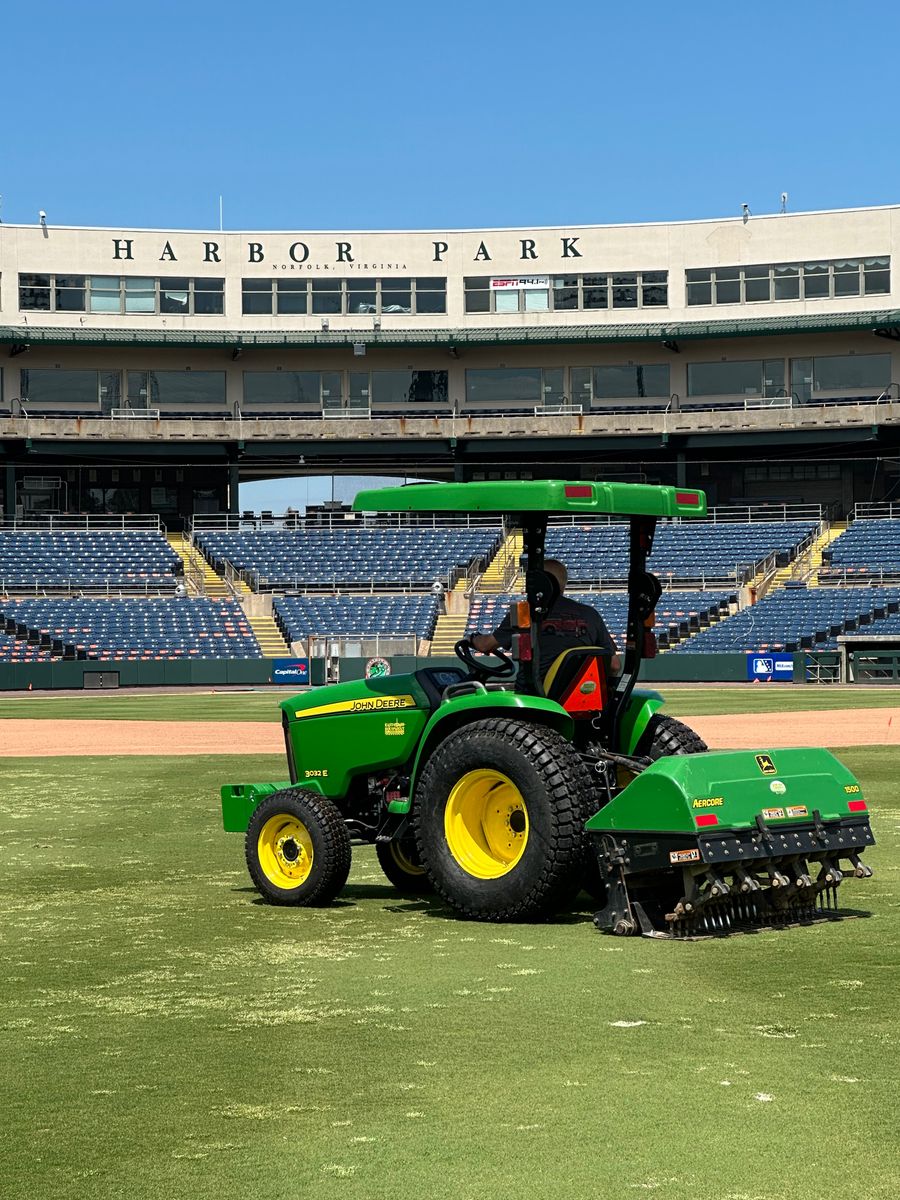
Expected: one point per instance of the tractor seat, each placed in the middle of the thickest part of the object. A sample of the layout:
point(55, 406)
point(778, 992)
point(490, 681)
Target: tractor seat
point(577, 679)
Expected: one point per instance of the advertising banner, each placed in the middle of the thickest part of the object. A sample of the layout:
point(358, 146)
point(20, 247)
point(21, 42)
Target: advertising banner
point(770, 668)
point(290, 670)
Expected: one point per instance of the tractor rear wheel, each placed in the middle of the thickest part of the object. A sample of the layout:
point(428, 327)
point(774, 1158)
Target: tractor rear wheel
point(498, 814)
point(665, 735)
point(400, 862)
point(297, 848)
point(662, 737)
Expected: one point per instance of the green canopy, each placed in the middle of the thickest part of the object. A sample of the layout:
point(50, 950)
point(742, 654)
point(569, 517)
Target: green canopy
point(539, 495)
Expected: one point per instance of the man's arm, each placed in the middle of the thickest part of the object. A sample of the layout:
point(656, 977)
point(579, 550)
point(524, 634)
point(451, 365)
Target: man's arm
point(500, 639)
point(604, 638)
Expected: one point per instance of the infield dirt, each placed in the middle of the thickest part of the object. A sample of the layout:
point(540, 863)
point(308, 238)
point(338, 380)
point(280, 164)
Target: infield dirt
point(44, 739)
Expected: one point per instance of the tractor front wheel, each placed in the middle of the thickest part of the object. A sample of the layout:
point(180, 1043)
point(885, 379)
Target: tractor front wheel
point(498, 815)
point(399, 859)
point(297, 848)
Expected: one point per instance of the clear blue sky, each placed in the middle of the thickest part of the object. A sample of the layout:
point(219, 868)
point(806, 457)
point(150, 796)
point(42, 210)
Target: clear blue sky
point(350, 114)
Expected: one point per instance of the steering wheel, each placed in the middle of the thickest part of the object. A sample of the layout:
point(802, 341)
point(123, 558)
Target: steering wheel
point(481, 671)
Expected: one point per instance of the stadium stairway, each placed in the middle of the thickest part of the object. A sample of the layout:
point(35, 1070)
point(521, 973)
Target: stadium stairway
point(449, 629)
point(269, 636)
point(195, 565)
point(494, 581)
point(821, 543)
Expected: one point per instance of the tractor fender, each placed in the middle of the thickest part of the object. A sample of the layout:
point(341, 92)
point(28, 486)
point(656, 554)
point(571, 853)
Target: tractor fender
point(636, 717)
point(461, 710)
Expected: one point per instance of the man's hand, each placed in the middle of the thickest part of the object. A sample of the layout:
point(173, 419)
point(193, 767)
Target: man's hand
point(484, 643)
point(615, 664)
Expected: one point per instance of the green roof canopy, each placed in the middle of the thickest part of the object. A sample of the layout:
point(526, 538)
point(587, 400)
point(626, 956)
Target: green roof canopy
point(541, 496)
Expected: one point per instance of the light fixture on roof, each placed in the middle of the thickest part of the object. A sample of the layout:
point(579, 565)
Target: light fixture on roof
point(784, 200)
point(42, 216)
point(746, 213)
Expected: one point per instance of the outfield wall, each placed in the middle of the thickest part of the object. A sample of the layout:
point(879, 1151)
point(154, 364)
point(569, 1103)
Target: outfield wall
point(255, 672)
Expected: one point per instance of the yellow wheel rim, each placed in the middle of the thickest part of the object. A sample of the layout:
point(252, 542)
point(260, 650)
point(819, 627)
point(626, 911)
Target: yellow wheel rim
point(405, 864)
point(285, 851)
point(486, 823)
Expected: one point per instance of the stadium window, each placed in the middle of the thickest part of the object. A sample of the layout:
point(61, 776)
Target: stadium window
point(815, 280)
point(291, 296)
point(757, 284)
point(852, 373)
point(184, 390)
point(327, 296)
point(398, 388)
point(34, 292)
point(595, 291)
point(787, 282)
point(362, 296)
point(105, 294)
point(359, 392)
point(396, 296)
point(632, 381)
point(654, 289)
point(478, 294)
point(725, 378)
point(728, 285)
point(431, 295)
point(174, 295)
point(624, 291)
point(68, 294)
point(504, 387)
point(140, 295)
point(565, 292)
point(62, 390)
point(282, 390)
point(256, 297)
point(699, 287)
point(877, 276)
point(846, 277)
point(209, 295)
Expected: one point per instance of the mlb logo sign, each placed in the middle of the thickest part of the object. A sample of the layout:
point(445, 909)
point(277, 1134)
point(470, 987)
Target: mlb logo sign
point(767, 668)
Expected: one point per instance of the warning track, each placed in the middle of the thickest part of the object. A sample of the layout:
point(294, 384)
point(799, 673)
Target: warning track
point(762, 731)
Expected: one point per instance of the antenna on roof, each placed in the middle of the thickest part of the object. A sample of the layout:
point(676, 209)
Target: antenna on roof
point(784, 200)
point(221, 212)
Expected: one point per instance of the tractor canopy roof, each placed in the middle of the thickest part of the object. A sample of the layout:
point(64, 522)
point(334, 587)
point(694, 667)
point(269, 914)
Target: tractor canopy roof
point(538, 496)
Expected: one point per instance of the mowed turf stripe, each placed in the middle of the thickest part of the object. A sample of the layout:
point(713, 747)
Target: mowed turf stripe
point(163, 1034)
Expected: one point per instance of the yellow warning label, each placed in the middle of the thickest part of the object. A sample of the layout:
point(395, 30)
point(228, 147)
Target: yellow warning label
point(708, 802)
point(394, 728)
point(765, 764)
point(798, 810)
point(773, 814)
point(363, 705)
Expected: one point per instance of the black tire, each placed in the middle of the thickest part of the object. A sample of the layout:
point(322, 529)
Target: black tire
point(666, 735)
point(550, 782)
point(662, 737)
point(400, 862)
point(291, 826)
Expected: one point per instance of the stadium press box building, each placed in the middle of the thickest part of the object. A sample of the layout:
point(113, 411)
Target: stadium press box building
point(148, 370)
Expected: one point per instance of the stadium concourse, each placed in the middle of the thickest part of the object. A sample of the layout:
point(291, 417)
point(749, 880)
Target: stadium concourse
point(261, 588)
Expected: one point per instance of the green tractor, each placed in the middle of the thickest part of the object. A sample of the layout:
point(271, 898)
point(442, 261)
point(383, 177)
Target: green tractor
point(507, 785)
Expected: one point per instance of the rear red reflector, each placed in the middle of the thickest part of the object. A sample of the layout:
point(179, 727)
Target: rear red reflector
point(579, 493)
point(707, 819)
point(687, 498)
point(856, 805)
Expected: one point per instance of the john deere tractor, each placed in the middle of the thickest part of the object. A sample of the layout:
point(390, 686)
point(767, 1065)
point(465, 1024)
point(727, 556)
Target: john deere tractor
point(507, 784)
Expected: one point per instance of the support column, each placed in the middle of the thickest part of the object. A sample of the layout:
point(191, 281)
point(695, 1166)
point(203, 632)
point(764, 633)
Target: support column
point(234, 505)
point(9, 491)
point(680, 472)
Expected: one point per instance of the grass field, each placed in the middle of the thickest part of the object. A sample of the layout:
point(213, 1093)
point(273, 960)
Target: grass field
point(165, 1035)
point(701, 700)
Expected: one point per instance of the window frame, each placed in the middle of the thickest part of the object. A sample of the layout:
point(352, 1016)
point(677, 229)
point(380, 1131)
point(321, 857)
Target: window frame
point(787, 274)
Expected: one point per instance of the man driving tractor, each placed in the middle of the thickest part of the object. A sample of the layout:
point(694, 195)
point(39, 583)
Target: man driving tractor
point(568, 624)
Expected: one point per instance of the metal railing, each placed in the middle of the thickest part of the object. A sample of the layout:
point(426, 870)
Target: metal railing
point(16, 586)
point(327, 521)
point(147, 414)
point(83, 523)
point(877, 509)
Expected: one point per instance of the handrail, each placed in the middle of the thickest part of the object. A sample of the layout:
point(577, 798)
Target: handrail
point(83, 523)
